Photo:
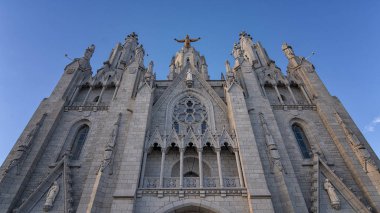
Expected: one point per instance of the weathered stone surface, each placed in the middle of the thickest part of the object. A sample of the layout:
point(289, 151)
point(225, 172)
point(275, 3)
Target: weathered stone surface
point(255, 141)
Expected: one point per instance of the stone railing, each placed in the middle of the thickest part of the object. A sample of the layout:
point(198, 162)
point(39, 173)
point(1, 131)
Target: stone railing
point(231, 181)
point(86, 108)
point(223, 192)
point(190, 182)
point(294, 107)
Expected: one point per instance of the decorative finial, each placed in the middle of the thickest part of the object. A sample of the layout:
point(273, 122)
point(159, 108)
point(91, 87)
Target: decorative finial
point(187, 40)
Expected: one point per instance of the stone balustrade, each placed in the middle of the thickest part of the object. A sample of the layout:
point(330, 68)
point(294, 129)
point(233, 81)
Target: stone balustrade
point(190, 182)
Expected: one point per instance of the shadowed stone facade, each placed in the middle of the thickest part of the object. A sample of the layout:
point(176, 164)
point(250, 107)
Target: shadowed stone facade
point(254, 141)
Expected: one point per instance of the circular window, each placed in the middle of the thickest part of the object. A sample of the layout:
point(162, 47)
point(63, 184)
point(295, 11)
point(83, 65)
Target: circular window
point(189, 110)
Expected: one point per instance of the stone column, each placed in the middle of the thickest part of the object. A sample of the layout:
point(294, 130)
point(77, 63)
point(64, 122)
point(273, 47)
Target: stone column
point(74, 95)
point(88, 93)
point(305, 94)
point(291, 93)
point(278, 94)
point(114, 94)
point(221, 184)
point(181, 152)
point(237, 157)
point(142, 175)
point(162, 167)
point(200, 159)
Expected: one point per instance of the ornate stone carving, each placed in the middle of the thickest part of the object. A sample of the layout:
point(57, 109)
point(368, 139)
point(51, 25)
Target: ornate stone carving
point(24, 147)
point(358, 147)
point(210, 182)
point(84, 62)
point(189, 78)
point(288, 51)
point(139, 54)
point(229, 182)
point(334, 199)
point(108, 152)
point(271, 145)
point(238, 53)
point(190, 112)
point(190, 182)
point(152, 182)
point(51, 195)
point(172, 183)
point(229, 73)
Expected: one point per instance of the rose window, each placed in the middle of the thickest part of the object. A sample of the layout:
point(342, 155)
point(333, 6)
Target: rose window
point(190, 111)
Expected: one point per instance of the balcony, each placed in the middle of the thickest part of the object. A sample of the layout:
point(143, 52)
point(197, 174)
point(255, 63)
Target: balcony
point(211, 187)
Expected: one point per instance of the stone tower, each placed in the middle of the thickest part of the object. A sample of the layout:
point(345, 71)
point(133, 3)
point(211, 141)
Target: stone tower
point(254, 141)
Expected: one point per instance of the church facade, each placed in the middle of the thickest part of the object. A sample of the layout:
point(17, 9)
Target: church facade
point(254, 141)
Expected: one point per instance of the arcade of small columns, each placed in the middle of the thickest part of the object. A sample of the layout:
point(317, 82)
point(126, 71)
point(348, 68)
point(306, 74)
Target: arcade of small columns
point(198, 144)
point(284, 82)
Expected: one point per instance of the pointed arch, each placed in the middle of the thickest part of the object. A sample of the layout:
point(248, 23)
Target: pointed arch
point(72, 132)
point(79, 140)
point(302, 139)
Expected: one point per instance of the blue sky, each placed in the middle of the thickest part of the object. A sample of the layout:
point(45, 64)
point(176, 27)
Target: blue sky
point(35, 35)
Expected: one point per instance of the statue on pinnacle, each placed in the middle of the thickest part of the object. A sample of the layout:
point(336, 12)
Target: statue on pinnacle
point(187, 40)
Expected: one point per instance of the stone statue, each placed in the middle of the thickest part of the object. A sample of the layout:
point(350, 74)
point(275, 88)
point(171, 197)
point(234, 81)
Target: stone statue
point(229, 73)
point(237, 52)
point(189, 76)
point(139, 54)
point(149, 72)
point(271, 145)
point(84, 62)
point(89, 51)
point(51, 195)
point(228, 66)
point(334, 199)
point(24, 146)
point(108, 151)
point(107, 156)
point(187, 40)
point(288, 51)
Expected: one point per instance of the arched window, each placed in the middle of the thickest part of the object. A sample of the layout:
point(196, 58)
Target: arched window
point(302, 141)
point(79, 140)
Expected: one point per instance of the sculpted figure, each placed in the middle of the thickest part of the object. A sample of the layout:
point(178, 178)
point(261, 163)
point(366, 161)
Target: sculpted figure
point(229, 73)
point(24, 146)
point(89, 51)
point(334, 199)
point(51, 195)
point(189, 76)
point(288, 51)
point(187, 40)
point(139, 54)
point(107, 156)
point(237, 51)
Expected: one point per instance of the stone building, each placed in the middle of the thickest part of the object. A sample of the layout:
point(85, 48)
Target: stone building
point(254, 141)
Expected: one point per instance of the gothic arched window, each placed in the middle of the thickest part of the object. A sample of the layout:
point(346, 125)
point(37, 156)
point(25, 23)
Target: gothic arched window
point(302, 141)
point(79, 140)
